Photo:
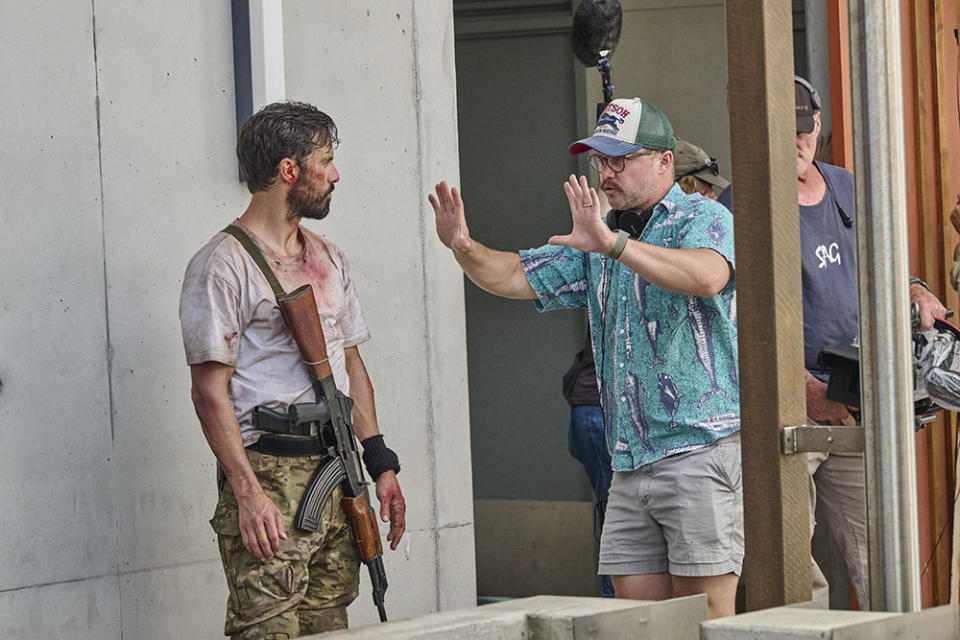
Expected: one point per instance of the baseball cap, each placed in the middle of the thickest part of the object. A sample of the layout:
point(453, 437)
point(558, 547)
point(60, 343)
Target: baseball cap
point(808, 103)
point(626, 126)
point(691, 160)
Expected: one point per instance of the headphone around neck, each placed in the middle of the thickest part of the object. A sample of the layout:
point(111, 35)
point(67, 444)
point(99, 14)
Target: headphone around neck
point(633, 221)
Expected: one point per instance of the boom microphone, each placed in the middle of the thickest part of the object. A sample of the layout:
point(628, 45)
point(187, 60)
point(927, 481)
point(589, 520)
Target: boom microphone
point(596, 30)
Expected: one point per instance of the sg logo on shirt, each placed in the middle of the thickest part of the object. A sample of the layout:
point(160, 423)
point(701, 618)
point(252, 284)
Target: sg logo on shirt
point(829, 254)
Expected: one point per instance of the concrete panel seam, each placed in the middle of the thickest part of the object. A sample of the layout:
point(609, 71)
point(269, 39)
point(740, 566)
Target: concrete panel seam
point(427, 326)
point(106, 294)
point(117, 574)
point(178, 565)
point(42, 585)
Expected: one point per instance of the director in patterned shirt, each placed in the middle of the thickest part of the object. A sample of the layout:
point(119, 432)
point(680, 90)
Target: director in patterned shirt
point(657, 279)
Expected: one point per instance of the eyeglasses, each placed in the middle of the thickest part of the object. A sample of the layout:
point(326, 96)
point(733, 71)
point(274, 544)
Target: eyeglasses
point(615, 163)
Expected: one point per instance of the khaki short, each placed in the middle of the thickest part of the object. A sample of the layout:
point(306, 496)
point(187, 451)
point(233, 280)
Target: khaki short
point(306, 587)
point(682, 514)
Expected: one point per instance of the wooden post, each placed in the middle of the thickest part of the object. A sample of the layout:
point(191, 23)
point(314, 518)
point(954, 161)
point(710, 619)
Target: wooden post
point(762, 124)
point(941, 445)
point(838, 35)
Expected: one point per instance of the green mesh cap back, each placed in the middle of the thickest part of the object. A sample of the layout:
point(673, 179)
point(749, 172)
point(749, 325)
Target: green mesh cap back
point(655, 130)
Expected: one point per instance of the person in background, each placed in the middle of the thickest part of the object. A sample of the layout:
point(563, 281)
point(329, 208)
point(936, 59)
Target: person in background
point(696, 172)
point(585, 438)
point(829, 284)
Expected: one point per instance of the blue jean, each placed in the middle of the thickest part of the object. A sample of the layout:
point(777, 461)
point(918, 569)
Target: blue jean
point(587, 444)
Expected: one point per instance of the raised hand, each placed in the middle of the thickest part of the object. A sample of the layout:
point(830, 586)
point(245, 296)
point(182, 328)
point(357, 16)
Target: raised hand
point(451, 222)
point(590, 232)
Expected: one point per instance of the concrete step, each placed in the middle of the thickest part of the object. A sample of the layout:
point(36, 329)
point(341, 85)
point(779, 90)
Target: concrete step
point(801, 623)
point(550, 618)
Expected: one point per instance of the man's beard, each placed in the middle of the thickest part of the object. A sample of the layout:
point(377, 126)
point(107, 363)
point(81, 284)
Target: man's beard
point(303, 203)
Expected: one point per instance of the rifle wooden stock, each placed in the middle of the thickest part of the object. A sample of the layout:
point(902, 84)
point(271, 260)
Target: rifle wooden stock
point(300, 311)
point(363, 521)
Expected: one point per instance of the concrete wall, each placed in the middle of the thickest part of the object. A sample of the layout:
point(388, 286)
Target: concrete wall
point(117, 164)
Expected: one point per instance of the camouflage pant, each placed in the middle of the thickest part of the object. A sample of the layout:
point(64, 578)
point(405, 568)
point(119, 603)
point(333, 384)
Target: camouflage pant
point(306, 587)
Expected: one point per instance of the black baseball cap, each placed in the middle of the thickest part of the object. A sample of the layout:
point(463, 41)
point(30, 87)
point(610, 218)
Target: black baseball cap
point(808, 103)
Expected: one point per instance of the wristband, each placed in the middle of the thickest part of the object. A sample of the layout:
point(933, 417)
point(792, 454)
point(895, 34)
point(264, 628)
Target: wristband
point(619, 245)
point(920, 282)
point(378, 457)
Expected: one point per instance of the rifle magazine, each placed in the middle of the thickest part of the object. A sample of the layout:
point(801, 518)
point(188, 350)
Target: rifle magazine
point(318, 492)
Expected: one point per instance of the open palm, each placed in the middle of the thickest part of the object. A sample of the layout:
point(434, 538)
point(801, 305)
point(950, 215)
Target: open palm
point(590, 232)
point(451, 221)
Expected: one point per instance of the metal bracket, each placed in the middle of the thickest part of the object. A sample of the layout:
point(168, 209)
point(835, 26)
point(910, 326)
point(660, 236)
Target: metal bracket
point(826, 439)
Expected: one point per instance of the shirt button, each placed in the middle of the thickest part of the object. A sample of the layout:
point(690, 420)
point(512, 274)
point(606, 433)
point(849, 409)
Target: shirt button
point(621, 365)
point(621, 331)
point(624, 298)
point(623, 398)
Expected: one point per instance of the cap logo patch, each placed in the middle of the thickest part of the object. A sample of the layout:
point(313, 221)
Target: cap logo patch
point(609, 124)
point(611, 120)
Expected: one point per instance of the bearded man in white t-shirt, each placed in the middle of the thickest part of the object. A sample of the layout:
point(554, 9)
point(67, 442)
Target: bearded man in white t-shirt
point(283, 582)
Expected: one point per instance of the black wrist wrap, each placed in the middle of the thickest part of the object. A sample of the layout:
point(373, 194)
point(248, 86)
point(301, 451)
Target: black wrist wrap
point(378, 457)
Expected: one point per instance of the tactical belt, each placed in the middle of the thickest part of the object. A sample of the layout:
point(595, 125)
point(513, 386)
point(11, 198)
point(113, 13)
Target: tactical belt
point(290, 446)
point(304, 430)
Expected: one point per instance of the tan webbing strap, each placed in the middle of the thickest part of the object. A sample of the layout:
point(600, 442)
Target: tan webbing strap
point(257, 256)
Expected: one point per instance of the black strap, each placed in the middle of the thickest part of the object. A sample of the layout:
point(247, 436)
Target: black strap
point(257, 256)
point(287, 446)
point(844, 218)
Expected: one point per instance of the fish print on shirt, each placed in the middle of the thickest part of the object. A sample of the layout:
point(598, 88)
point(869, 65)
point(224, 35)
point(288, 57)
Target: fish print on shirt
point(683, 448)
point(606, 406)
point(700, 316)
point(669, 398)
point(603, 286)
point(623, 449)
point(577, 286)
point(671, 219)
point(725, 424)
point(633, 389)
point(731, 298)
point(534, 262)
point(650, 327)
point(716, 232)
point(682, 235)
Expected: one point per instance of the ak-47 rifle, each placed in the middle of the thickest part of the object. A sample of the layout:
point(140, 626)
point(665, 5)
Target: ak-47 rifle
point(299, 309)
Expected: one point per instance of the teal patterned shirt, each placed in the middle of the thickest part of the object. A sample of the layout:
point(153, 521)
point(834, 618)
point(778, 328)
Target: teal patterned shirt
point(666, 362)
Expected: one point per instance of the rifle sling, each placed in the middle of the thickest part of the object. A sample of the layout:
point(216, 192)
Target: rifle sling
point(257, 256)
point(327, 386)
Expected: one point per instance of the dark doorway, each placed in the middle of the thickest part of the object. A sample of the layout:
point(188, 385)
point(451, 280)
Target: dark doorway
point(516, 101)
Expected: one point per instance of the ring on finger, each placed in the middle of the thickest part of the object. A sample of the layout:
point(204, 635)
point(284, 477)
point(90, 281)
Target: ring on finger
point(587, 204)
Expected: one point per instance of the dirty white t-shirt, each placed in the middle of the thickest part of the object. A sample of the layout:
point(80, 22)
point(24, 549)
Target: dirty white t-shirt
point(228, 314)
